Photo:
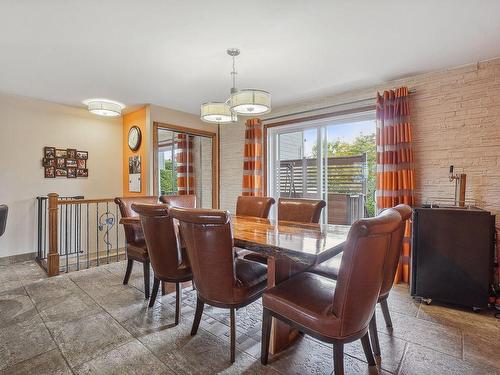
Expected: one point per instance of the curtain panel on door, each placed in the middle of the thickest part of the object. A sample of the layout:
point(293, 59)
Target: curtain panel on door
point(184, 164)
point(395, 170)
point(252, 158)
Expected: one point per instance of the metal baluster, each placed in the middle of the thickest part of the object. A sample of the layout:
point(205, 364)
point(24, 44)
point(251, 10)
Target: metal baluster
point(70, 228)
point(107, 234)
point(77, 231)
point(45, 229)
point(60, 231)
point(116, 225)
point(66, 238)
point(39, 226)
point(87, 242)
point(97, 232)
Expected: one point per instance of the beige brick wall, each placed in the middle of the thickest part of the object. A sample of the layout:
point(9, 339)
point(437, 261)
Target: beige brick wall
point(232, 139)
point(456, 120)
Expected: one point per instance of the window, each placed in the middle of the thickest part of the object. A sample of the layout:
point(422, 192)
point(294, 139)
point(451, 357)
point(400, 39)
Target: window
point(333, 159)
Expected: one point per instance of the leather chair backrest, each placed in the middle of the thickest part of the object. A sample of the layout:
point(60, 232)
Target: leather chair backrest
point(163, 247)
point(4, 210)
point(394, 254)
point(254, 206)
point(184, 201)
point(300, 210)
point(209, 243)
point(362, 270)
point(133, 233)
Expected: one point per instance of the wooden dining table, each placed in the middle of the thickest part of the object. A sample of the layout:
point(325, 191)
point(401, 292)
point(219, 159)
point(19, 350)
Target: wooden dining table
point(290, 248)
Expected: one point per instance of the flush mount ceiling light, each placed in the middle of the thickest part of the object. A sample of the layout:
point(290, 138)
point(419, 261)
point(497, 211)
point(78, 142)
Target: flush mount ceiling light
point(104, 107)
point(246, 102)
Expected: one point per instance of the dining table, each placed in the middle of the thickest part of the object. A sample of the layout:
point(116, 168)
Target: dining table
point(290, 248)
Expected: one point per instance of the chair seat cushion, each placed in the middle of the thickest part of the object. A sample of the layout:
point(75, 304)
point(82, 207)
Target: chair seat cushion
point(250, 255)
point(251, 278)
point(137, 251)
point(329, 268)
point(305, 299)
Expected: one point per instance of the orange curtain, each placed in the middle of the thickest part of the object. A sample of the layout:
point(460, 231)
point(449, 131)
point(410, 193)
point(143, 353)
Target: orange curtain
point(184, 164)
point(252, 158)
point(395, 170)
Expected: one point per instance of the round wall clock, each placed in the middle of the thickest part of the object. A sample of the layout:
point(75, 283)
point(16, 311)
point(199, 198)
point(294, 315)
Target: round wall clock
point(134, 138)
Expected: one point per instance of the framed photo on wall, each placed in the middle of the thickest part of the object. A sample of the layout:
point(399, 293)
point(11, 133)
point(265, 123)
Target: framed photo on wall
point(71, 172)
point(60, 153)
point(70, 163)
point(49, 152)
point(82, 172)
point(81, 163)
point(65, 162)
point(49, 162)
point(82, 155)
point(61, 172)
point(50, 172)
point(71, 153)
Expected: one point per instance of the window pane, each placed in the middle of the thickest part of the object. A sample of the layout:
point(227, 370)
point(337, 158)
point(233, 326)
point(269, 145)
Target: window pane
point(298, 172)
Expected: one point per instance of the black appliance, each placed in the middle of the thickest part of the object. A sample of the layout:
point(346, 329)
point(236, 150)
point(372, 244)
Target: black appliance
point(452, 255)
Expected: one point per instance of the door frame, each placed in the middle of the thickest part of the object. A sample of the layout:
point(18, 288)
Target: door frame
point(203, 133)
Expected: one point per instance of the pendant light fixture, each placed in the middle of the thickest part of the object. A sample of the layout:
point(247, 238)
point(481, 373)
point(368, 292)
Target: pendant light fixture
point(246, 102)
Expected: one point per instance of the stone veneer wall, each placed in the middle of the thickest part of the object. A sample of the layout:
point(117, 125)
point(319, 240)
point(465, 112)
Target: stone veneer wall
point(456, 121)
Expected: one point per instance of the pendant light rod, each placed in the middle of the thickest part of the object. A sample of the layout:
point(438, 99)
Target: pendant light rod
point(233, 52)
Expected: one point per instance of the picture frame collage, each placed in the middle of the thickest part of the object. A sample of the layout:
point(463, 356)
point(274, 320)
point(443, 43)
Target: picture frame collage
point(68, 163)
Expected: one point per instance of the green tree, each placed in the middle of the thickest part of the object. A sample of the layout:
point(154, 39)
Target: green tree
point(168, 180)
point(362, 144)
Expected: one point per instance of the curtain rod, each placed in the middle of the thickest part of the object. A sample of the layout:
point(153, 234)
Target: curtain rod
point(410, 91)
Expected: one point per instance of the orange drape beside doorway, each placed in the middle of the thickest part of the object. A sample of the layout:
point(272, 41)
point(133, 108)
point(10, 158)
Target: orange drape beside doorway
point(395, 170)
point(184, 163)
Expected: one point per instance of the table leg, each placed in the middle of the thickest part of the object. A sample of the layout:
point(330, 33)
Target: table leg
point(278, 270)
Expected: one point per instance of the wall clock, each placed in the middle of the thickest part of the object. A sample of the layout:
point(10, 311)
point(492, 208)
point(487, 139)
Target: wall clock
point(134, 138)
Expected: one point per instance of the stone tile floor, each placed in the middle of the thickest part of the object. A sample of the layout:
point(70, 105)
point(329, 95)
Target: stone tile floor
point(87, 322)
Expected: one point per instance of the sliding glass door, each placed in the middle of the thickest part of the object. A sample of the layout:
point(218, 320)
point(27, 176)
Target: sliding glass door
point(184, 165)
point(332, 159)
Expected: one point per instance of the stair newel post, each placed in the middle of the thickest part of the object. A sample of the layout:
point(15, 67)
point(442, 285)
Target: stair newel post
point(53, 255)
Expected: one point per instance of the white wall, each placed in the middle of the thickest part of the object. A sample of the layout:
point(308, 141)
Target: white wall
point(26, 126)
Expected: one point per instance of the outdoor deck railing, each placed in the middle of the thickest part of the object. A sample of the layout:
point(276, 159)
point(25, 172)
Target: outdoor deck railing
point(75, 233)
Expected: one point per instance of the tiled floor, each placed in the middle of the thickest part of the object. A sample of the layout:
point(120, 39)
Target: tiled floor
point(87, 322)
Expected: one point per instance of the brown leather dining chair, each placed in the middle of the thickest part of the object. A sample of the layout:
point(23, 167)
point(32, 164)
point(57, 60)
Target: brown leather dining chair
point(221, 279)
point(185, 201)
point(300, 210)
point(169, 262)
point(330, 269)
point(336, 312)
point(135, 245)
point(253, 207)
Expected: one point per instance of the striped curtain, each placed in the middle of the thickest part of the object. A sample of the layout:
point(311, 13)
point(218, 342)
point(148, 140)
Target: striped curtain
point(395, 171)
point(184, 164)
point(252, 158)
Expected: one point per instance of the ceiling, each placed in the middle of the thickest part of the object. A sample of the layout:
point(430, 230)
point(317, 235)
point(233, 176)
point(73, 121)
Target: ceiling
point(172, 53)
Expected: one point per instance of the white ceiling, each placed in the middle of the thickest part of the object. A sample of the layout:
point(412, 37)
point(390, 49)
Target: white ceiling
point(172, 53)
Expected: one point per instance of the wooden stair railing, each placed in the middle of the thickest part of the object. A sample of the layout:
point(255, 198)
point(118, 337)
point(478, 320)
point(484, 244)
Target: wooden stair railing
point(69, 234)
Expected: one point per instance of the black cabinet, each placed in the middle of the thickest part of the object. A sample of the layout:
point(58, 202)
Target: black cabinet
point(452, 255)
